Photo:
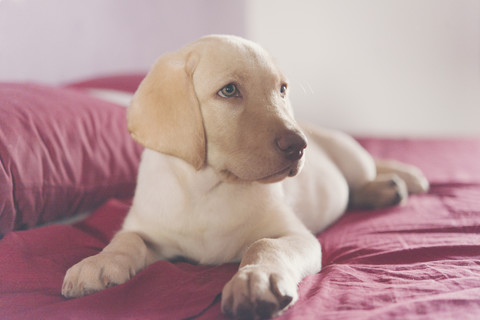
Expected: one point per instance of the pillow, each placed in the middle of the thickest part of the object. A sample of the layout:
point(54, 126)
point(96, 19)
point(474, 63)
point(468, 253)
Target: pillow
point(61, 152)
point(125, 82)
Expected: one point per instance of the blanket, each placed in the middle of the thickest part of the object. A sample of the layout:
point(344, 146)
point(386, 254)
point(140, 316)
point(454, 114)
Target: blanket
point(416, 261)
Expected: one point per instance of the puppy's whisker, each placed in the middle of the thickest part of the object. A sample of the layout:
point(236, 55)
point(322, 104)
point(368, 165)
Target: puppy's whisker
point(310, 88)
point(303, 87)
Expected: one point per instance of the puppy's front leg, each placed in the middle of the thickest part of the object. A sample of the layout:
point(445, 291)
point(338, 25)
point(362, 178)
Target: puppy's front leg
point(266, 282)
point(120, 260)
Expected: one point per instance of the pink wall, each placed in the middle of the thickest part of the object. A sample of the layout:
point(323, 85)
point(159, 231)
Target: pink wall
point(54, 41)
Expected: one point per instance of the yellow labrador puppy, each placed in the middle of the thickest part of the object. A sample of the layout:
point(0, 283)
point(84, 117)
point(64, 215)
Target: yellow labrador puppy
point(221, 141)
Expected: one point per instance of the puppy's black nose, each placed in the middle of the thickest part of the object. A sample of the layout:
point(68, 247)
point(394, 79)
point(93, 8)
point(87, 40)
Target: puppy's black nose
point(291, 144)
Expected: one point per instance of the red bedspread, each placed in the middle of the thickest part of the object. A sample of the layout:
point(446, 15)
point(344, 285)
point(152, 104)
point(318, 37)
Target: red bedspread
point(418, 261)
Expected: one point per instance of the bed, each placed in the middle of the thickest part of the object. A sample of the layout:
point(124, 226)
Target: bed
point(64, 153)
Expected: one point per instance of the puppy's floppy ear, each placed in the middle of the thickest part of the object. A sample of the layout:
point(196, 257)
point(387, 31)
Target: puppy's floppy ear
point(165, 114)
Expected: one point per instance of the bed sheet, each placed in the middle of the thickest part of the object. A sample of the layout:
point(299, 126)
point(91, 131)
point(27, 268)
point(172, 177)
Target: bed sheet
point(417, 261)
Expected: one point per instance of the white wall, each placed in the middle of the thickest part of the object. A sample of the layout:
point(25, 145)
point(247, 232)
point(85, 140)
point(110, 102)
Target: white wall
point(370, 67)
point(381, 67)
point(55, 41)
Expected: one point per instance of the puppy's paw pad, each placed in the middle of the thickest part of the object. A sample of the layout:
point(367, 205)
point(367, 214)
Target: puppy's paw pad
point(256, 293)
point(265, 309)
point(389, 190)
point(386, 190)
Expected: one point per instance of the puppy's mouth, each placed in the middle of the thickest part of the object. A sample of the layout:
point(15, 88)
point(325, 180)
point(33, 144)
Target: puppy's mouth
point(288, 171)
point(279, 175)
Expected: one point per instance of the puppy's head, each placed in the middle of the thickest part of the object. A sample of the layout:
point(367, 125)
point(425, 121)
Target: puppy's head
point(220, 102)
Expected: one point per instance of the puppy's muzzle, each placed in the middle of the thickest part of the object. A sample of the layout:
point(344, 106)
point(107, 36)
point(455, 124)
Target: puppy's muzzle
point(291, 144)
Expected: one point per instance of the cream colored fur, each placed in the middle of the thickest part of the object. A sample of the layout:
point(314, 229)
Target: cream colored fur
point(221, 179)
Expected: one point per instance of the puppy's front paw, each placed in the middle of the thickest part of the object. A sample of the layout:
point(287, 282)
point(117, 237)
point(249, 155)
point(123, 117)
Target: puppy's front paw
point(256, 292)
point(96, 273)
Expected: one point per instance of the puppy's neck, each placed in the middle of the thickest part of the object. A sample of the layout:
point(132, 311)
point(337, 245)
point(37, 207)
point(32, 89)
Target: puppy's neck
point(195, 182)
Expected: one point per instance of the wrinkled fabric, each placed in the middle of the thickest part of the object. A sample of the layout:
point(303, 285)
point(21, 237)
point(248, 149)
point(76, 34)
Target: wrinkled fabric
point(61, 152)
point(416, 261)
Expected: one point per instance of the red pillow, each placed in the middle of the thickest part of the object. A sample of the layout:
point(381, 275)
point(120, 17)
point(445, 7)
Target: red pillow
point(61, 152)
point(126, 82)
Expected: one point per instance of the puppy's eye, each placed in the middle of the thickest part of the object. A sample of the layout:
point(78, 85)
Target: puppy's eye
point(283, 89)
point(230, 90)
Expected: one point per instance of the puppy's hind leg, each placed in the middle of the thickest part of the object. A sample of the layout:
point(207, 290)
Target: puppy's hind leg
point(373, 184)
point(368, 189)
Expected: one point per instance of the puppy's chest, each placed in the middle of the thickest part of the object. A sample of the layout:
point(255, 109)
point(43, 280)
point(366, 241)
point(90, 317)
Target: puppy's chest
point(216, 226)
